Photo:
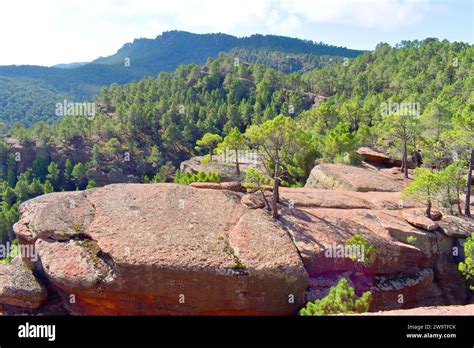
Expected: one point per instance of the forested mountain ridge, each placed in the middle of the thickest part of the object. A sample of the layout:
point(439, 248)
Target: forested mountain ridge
point(149, 57)
point(172, 111)
point(167, 51)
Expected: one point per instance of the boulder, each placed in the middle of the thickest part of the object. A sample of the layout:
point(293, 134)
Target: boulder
point(253, 201)
point(226, 167)
point(19, 287)
point(353, 178)
point(456, 226)
point(166, 249)
point(408, 261)
point(417, 218)
point(163, 249)
point(372, 156)
point(380, 159)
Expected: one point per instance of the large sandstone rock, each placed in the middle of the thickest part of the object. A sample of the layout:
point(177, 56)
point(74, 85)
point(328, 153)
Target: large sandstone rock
point(174, 249)
point(226, 169)
point(455, 226)
point(417, 218)
point(379, 158)
point(163, 249)
point(19, 287)
point(353, 178)
point(411, 267)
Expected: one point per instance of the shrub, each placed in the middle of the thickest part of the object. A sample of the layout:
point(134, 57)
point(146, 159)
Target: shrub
point(341, 299)
point(467, 267)
point(206, 159)
point(255, 180)
point(188, 178)
point(367, 248)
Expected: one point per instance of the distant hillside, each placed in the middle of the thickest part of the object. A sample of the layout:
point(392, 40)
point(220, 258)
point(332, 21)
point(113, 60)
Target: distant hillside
point(70, 65)
point(171, 49)
point(149, 57)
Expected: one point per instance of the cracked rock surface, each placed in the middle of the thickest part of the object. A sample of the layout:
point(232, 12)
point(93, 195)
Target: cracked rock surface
point(163, 249)
point(19, 287)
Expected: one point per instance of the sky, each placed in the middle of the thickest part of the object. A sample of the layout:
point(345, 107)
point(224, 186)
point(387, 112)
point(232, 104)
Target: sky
point(48, 32)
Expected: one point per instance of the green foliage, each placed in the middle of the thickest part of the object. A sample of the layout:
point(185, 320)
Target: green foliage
point(467, 267)
point(423, 188)
point(233, 142)
point(340, 145)
point(29, 93)
point(79, 175)
point(48, 187)
point(206, 159)
point(341, 299)
point(365, 247)
point(256, 180)
point(411, 240)
point(187, 178)
point(452, 181)
point(285, 147)
point(209, 142)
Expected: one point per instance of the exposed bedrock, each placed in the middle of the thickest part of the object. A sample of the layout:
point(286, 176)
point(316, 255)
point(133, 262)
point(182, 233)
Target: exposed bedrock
point(165, 249)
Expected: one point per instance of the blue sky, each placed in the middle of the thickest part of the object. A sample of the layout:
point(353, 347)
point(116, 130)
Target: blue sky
point(48, 32)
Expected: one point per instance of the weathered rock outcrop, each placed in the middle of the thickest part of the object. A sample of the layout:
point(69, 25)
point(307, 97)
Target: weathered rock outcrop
point(411, 266)
point(163, 249)
point(227, 169)
point(174, 249)
point(380, 159)
point(19, 287)
point(351, 178)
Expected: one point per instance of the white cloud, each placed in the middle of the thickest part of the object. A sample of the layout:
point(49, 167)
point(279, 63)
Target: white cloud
point(374, 14)
point(54, 31)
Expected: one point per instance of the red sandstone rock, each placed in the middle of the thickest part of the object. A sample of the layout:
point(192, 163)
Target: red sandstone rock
point(165, 249)
point(352, 178)
point(231, 186)
point(417, 218)
point(19, 287)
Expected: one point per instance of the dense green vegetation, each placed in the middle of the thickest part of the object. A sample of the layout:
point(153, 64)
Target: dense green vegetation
point(43, 176)
point(188, 178)
point(173, 48)
point(467, 267)
point(341, 299)
point(21, 87)
point(27, 100)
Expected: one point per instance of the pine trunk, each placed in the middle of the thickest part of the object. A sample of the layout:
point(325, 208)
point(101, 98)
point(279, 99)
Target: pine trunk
point(467, 208)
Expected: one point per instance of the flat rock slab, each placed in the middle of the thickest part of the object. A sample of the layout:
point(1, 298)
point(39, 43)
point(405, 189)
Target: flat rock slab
point(164, 249)
point(417, 218)
point(457, 227)
point(353, 178)
point(19, 287)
